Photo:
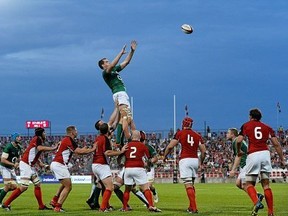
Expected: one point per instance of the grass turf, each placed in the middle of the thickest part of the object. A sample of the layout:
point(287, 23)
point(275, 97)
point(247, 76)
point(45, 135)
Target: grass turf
point(212, 199)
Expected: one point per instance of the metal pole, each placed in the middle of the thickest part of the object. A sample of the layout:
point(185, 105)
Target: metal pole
point(175, 171)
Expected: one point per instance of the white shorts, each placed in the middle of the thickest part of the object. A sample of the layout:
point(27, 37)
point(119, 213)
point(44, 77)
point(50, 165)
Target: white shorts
point(135, 175)
point(101, 171)
point(151, 175)
point(26, 171)
point(7, 173)
point(59, 170)
point(188, 167)
point(258, 162)
point(242, 174)
point(122, 98)
point(121, 172)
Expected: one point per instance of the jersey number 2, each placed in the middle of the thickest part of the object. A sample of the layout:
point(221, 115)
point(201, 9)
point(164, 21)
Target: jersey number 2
point(132, 153)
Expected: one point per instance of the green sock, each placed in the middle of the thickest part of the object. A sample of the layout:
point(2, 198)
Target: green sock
point(2, 195)
point(119, 134)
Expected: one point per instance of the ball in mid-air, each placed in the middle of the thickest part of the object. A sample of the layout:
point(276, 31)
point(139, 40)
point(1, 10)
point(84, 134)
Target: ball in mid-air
point(187, 29)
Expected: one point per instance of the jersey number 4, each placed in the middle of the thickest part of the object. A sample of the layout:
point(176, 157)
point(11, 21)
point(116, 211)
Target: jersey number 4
point(190, 140)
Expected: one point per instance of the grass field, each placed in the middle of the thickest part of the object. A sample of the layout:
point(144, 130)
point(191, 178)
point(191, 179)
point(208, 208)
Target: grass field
point(212, 199)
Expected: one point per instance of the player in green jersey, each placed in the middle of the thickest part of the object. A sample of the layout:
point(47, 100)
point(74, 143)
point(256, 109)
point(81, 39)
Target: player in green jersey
point(8, 164)
point(232, 135)
point(150, 165)
point(113, 79)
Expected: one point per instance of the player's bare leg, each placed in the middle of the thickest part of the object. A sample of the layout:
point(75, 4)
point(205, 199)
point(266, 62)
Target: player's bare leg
point(9, 185)
point(56, 196)
point(67, 184)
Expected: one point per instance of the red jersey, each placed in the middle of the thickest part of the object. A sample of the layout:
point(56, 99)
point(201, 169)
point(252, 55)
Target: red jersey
point(258, 134)
point(31, 154)
point(135, 154)
point(103, 144)
point(189, 141)
point(65, 150)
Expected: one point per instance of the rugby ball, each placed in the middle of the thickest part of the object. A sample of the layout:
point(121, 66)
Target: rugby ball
point(187, 29)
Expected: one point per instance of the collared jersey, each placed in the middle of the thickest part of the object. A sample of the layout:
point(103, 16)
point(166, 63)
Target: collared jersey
point(65, 150)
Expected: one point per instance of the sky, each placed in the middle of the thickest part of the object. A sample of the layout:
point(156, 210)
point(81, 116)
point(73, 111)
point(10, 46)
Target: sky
point(235, 60)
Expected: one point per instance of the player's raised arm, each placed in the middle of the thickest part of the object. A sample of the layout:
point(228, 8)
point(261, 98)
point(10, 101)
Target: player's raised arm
point(116, 60)
point(130, 55)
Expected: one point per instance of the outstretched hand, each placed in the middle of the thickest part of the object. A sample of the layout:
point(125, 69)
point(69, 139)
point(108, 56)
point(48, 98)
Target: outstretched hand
point(123, 51)
point(133, 45)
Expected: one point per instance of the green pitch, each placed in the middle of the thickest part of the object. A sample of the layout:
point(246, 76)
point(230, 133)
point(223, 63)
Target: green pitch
point(212, 199)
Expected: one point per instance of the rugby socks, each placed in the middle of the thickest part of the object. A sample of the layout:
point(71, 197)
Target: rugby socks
point(2, 195)
point(105, 201)
point(148, 196)
point(192, 199)
point(141, 196)
point(153, 190)
point(95, 197)
point(252, 194)
point(126, 197)
point(269, 200)
point(118, 193)
point(13, 196)
point(38, 195)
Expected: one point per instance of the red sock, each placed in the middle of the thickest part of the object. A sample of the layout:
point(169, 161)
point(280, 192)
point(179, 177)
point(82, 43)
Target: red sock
point(191, 196)
point(252, 194)
point(55, 199)
point(13, 196)
point(148, 195)
point(105, 200)
point(38, 195)
point(126, 197)
point(269, 200)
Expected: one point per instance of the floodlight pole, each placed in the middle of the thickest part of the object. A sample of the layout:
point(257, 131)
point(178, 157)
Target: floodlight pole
point(175, 170)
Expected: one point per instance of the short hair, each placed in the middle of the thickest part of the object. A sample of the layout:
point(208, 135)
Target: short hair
point(234, 131)
point(101, 62)
point(70, 128)
point(104, 128)
point(97, 125)
point(255, 114)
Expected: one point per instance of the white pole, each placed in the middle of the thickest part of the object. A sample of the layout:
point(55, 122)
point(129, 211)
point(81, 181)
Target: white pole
point(175, 173)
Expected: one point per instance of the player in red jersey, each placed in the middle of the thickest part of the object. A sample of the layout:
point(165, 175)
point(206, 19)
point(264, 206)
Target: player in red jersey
point(100, 165)
point(59, 166)
point(135, 171)
point(258, 159)
point(27, 169)
point(190, 142)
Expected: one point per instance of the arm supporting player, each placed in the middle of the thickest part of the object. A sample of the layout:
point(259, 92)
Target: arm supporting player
point(203, 153)
point(84, 150)
point(239, 141)
point(110, 153)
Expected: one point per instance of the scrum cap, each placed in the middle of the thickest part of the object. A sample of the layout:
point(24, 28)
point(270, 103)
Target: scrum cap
point(187, 122)
point(142, 136)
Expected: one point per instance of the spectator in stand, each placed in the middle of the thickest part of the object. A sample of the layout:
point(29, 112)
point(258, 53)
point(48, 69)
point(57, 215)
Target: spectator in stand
point(258, 159)
point(27, 169)
point(189, 162)
point(59, 166)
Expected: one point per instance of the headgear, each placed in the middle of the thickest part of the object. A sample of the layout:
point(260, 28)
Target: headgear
point(39, 131)
point(187, 122)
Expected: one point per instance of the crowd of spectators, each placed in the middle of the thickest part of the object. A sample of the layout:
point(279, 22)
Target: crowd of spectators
point(219, 157)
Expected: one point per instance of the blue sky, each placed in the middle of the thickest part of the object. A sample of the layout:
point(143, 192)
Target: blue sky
point(236, 59)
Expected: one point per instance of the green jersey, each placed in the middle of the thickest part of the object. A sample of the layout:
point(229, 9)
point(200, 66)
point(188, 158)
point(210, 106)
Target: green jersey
point(244, 148)
point(114, 80)
point(152, 152)
point(13, 154)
